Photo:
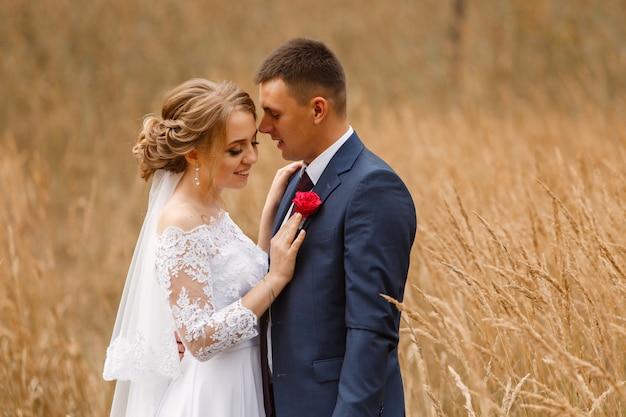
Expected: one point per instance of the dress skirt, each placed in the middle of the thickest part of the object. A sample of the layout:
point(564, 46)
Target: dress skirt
point(227, 385)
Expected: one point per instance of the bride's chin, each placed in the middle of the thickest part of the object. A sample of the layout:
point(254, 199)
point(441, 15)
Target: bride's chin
point(241, 185)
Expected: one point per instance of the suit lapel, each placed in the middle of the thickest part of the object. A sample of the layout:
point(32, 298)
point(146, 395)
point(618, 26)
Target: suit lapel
point(340, 163)
point(285, 203)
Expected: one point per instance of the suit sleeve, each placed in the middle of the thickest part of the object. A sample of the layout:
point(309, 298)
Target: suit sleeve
point(379, 232)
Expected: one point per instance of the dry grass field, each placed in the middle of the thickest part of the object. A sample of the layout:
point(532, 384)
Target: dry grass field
point(507, 119)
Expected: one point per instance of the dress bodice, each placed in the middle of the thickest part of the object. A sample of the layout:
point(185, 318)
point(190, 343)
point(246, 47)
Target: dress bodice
point(205, 272)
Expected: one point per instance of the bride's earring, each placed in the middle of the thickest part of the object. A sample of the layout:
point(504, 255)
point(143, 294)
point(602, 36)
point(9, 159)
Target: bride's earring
point(197, 179)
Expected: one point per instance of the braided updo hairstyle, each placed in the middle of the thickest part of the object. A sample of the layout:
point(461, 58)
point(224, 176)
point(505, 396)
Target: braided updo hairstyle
point(193, 116)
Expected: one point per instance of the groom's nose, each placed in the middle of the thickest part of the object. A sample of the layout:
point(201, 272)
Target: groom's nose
point(265, 126)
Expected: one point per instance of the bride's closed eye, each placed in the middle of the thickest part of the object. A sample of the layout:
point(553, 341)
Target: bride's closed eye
point(238, 150)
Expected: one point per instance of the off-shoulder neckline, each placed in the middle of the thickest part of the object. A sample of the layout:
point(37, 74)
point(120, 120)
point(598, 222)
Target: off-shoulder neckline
point(221, 216)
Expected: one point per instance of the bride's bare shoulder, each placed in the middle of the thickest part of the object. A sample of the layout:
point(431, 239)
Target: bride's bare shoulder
point(179, 213)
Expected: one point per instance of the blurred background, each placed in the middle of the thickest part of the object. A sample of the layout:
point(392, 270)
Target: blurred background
point(506, 118)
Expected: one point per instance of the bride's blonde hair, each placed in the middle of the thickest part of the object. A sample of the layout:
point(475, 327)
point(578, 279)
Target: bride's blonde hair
point(193, 116)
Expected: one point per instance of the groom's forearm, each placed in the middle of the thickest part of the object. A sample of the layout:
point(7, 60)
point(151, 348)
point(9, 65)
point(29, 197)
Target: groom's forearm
point(363, 375)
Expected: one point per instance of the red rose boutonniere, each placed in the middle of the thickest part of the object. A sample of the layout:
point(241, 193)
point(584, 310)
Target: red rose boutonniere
point(306, 203)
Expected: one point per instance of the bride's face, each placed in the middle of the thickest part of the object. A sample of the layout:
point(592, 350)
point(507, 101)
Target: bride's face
point(241, 151)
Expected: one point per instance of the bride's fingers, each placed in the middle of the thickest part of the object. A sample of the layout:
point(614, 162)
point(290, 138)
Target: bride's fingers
point(293, 224)
point(296, 235)
point(287, 171)
point(291, 168)
point(287, 233)
point(281, 179)
point(298, 240)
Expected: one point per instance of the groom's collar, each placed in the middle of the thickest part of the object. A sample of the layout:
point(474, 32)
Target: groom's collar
point(318, 165)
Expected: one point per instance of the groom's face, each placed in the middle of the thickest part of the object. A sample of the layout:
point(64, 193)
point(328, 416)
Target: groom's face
point(286, 121)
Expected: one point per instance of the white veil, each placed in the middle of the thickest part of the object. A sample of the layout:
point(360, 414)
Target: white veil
point(143, 355)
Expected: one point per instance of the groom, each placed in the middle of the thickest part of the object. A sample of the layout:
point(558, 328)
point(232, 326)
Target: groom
point(333, 338)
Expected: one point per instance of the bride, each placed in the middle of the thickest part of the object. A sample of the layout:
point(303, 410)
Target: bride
point(194, 275)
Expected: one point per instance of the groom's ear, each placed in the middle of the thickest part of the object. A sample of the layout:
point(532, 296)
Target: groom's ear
point(320, 109)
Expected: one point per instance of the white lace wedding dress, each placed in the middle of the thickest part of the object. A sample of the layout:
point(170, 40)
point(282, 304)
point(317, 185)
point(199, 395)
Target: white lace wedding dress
point(205, 272)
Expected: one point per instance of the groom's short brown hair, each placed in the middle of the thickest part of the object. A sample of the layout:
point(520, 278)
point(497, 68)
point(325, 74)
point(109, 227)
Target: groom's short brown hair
point(308, 68)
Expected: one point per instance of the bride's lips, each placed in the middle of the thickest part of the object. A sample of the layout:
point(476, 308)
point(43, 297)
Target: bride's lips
point(243, 173)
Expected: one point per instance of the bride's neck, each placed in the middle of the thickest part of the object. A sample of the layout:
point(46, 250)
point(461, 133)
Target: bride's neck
point(202, 195)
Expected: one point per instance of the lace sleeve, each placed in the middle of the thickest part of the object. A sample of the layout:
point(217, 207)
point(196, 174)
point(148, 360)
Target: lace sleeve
point(183, 267)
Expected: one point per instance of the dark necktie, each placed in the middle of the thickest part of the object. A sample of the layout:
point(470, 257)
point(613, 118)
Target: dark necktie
point(265, 369)
point(304, 184)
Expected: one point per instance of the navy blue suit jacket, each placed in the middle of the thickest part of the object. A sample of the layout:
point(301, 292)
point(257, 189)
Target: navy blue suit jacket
point(334, 338)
